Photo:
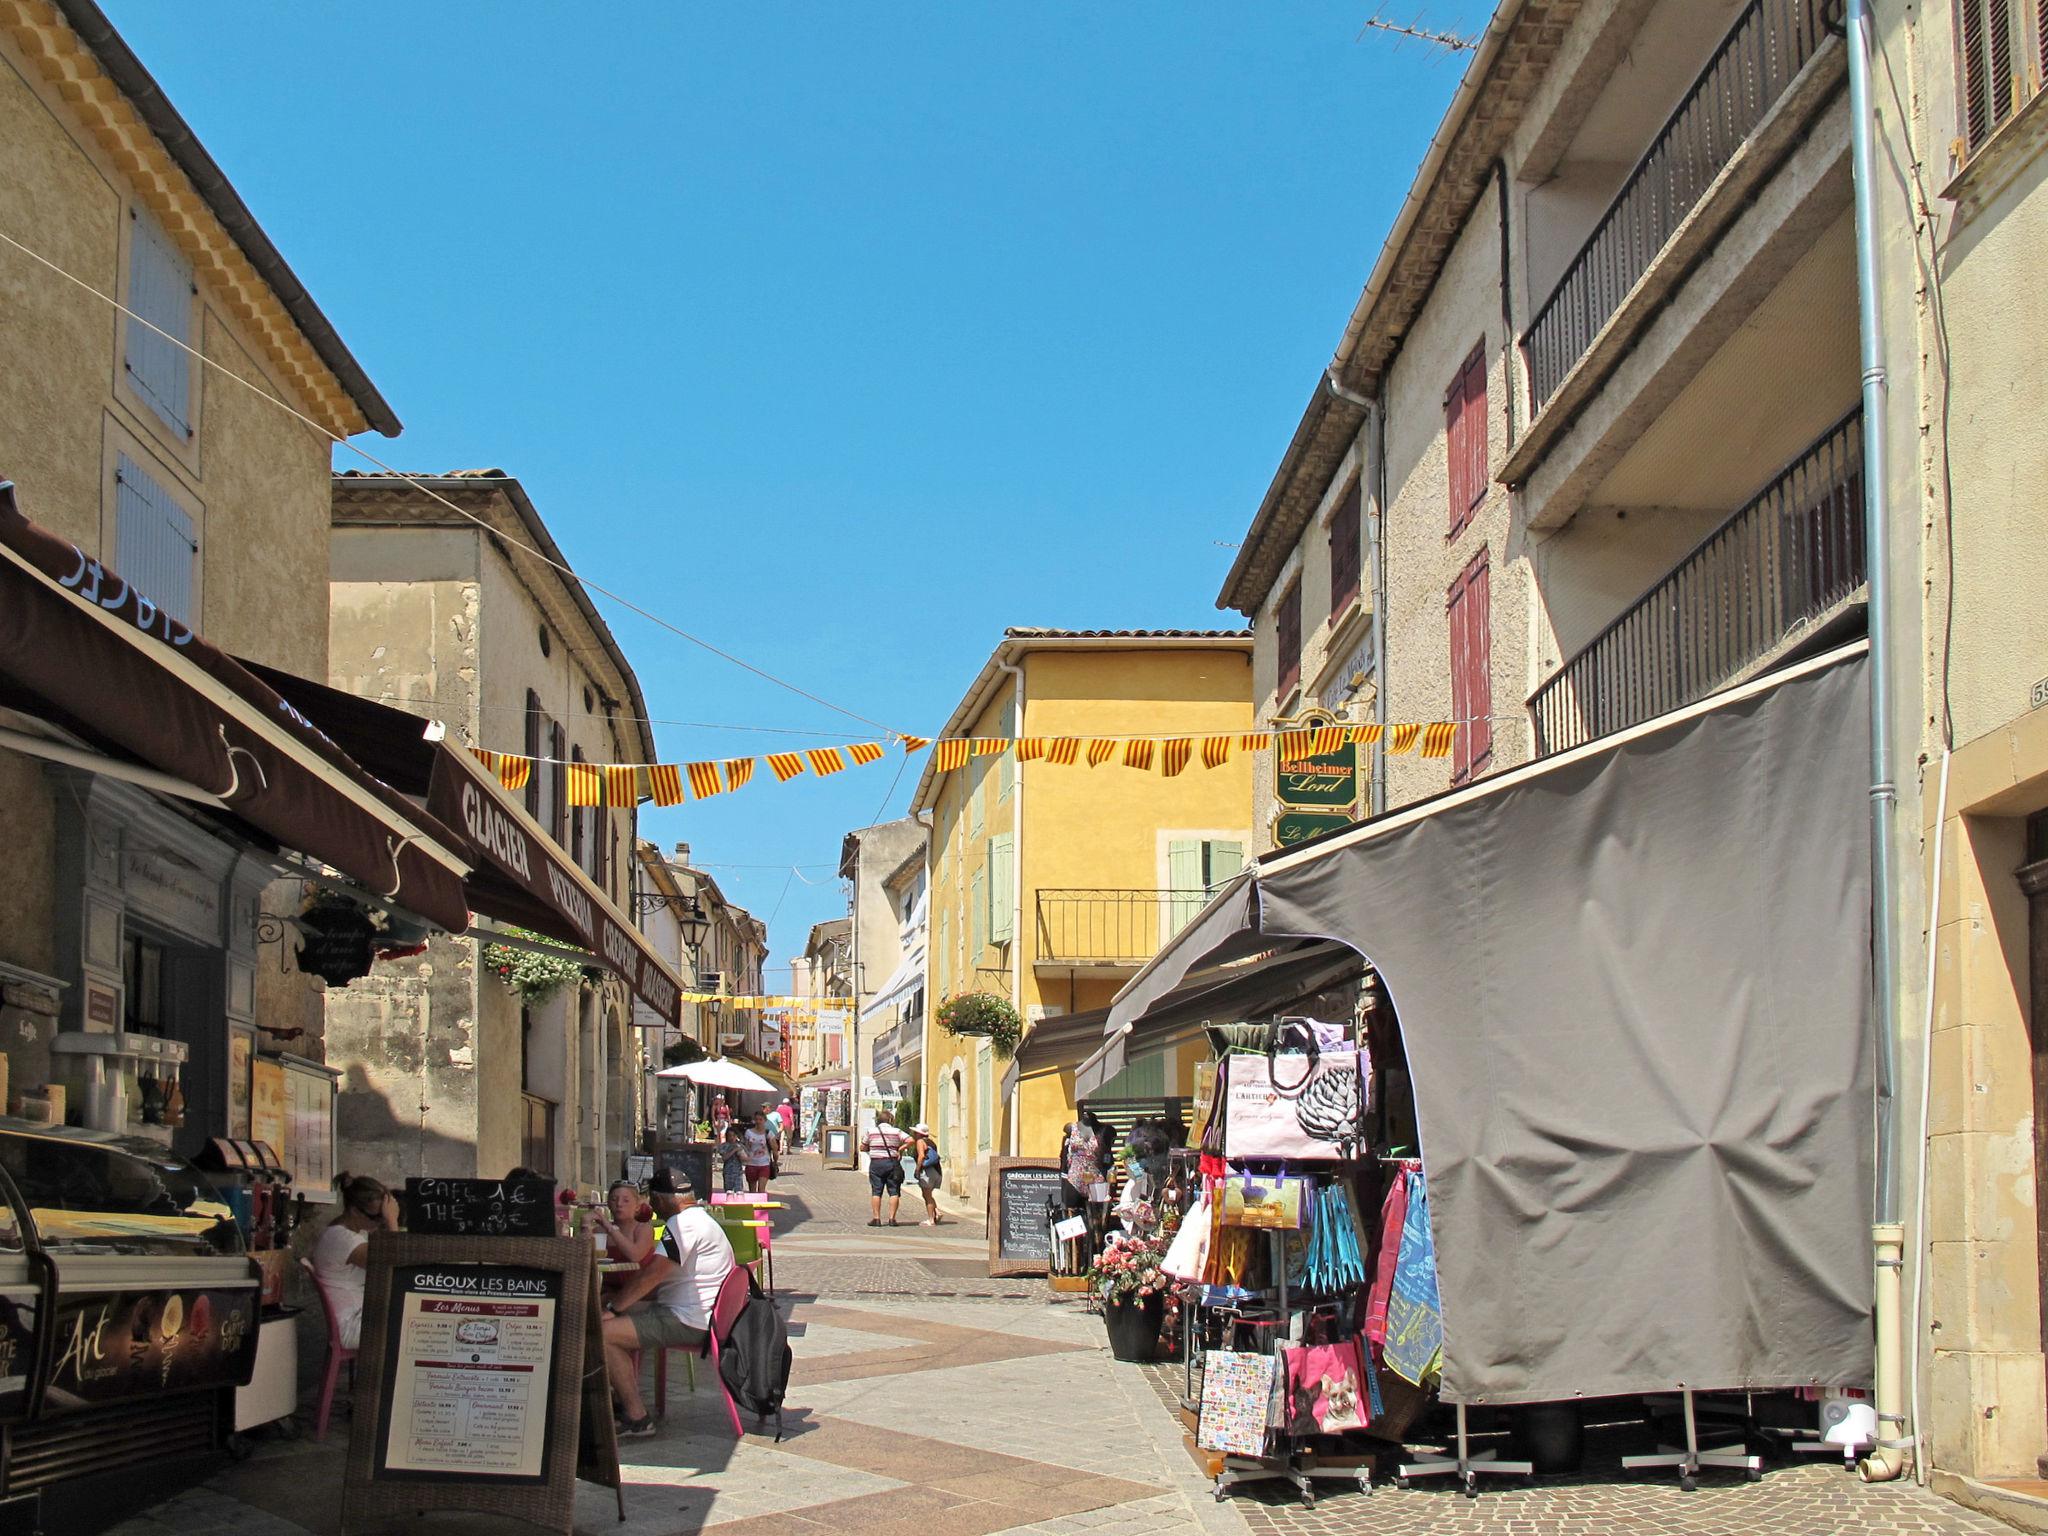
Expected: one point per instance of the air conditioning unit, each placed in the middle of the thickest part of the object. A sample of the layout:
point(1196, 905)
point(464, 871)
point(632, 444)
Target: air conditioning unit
point(710, 981)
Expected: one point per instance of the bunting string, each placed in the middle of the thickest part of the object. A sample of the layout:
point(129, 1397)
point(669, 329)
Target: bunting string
point(624, 784)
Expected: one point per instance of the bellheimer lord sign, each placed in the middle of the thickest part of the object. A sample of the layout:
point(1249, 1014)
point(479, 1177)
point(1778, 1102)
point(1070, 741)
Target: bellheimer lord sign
point(1325, 782)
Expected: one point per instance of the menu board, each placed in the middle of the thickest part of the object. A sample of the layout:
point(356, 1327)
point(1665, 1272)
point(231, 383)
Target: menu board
point(470, 1362)
point(308, 1148)
point(1019, 1236)
point(692, 1162)
point(268, 1120)
point(480, 1207)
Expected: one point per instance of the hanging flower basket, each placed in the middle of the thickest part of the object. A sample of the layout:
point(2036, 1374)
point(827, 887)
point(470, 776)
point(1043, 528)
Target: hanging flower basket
point(983, 1015)
point(535, 977)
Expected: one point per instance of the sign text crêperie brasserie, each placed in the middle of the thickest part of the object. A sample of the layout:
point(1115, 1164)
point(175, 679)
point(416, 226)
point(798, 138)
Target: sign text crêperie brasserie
point(480, 1207)
point(470, 1363)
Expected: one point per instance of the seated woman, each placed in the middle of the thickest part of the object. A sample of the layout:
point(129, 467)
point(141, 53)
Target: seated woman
point(341, 1255)
point(628, 1227)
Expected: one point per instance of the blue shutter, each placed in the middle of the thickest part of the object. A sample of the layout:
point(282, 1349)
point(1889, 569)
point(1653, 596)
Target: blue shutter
point(154, 545)
point(160, 292)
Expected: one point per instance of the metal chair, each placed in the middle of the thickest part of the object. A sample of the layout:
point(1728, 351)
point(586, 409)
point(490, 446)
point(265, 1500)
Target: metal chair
point(338, 1354)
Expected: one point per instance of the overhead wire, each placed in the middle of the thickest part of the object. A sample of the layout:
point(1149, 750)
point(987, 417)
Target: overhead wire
point(414, 481)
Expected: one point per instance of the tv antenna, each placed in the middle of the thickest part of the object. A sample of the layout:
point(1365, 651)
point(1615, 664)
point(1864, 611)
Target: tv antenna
point(1417, 31)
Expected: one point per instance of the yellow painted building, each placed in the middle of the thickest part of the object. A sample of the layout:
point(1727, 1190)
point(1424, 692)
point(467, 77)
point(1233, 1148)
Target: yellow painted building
point(1051, 884)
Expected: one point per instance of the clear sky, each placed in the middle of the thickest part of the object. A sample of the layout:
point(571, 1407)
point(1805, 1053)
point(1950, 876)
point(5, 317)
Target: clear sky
point(842, 334)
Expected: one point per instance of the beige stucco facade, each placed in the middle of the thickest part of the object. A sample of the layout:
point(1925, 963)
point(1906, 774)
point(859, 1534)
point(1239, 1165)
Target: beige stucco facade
point(446, 1072)
point(85, 172)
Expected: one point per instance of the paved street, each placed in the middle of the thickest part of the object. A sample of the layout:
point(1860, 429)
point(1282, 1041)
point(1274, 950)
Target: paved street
point(928, 1400)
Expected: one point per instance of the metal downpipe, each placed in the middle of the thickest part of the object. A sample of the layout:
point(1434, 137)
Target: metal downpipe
point(1888, 1460)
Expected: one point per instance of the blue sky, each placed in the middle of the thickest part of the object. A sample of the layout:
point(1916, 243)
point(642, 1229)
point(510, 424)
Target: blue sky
point(842, 335)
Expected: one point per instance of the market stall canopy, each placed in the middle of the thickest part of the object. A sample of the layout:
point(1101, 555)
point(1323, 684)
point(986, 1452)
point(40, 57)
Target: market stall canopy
point(1244, 989)
point(1053, 1044)
point(520, 874)
point(82, 649)
point(909, 975)
point(1633, 986)
point(720, 1073)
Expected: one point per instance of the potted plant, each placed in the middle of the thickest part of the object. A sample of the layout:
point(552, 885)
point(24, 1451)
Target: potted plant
point(983, 1014)
point(1132, 1288)
point(535, 976)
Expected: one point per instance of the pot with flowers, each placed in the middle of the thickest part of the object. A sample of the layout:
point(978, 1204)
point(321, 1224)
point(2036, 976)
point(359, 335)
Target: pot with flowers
point(1132, 1288)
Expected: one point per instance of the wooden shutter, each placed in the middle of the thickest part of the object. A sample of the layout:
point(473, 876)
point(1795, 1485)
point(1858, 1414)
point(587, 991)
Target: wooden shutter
point(536, 743)
point(1465, 438)
point(1287, 637)
point(1220, 863)
point(1994, 63)
point(155, 548)
point(1002, 856)
point(160, 293)
point(984, 1096)
point(978, 899)
point(1471, 643)
point(558, 786)
point(1183, 884)
point(578, 819)
point(1344, 543)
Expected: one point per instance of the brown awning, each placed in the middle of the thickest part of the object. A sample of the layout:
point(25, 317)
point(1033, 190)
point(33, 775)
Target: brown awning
point(84, 650)
point(520, 874)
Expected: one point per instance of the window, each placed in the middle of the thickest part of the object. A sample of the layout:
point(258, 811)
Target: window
point(156, 548)
point(1465, 437)
point(984, 1097)
point(2003, 46)
point(536, 738)
point(1194, 868)
point(1287, 637)
point(1345, 524)
point(160, 292)
point(579, 817)
point(1471, 625)
point(1001, 877)
point(558, 785)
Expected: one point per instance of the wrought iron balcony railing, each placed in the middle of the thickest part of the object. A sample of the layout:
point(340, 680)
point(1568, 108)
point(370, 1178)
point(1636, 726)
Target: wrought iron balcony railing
point(1110, 927)
point(1786, 559)
point(1767, 47)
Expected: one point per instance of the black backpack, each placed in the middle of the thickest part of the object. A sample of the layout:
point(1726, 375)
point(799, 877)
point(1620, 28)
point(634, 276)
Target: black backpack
point(754, 1358)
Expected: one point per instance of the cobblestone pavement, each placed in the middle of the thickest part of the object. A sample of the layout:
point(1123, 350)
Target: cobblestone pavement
point(927, 1400)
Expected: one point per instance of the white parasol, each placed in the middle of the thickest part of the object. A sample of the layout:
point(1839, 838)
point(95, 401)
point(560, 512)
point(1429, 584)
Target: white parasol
point(720, 1073)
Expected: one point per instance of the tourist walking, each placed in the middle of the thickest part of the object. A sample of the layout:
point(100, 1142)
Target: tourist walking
point(884, 1147)
point(924, 1157)
point(757, 1151)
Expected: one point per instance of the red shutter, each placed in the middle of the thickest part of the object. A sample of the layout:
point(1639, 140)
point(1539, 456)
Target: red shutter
point(1344, 542)
point(1287, 636)
point(577, 817)
point(1470, 614)
point(1465, 437)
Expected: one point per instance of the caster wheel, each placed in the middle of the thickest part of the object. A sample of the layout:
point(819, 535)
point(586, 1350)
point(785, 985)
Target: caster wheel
point(1471, 1486)
point(1687, 1484)
point(289, 1429)
point(1365, 1486)
point(1219, 1495)
point(1401, 1483)
point(1754, 1474)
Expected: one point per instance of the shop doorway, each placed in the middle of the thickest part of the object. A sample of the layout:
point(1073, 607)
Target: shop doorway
point(175, 991)
point(2033, 878)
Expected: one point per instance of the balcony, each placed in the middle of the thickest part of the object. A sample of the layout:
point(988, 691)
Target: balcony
point(1751, 71)
point(1110, 929)
point(1785, 564)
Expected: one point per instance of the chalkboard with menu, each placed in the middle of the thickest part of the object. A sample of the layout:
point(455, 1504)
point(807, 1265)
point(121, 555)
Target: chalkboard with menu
point(1019, 1237)
point(480, 1207)
point(691, 1161)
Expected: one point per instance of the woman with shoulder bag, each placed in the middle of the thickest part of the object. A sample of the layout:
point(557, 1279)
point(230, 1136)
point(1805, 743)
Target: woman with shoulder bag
point(930, 1169)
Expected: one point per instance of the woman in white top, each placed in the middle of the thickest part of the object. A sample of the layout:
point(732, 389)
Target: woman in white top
point(341, 1255)
point(757, 1154)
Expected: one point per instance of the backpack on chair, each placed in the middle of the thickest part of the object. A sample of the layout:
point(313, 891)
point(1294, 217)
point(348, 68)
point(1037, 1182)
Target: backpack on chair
point(754, 1358)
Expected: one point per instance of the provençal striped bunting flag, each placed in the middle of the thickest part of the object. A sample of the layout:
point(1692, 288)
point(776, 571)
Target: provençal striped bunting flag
point(620, 784)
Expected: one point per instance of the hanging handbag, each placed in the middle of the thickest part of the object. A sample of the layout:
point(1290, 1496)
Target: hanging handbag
point(1326, 1389)
point(1188, 1254)
point(1303, 1107)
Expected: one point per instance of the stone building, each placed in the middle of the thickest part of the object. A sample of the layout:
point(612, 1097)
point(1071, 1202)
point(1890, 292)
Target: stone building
point(884, 867)
point(1591, 447)
point(451, 600)
point(126, 908)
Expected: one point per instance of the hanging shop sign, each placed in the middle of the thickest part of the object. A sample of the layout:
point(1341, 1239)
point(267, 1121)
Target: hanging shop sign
point(1291, 827)
point(1326, 780)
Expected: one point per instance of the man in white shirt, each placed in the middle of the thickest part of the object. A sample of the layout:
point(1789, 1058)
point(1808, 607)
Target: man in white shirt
point(670, 1302)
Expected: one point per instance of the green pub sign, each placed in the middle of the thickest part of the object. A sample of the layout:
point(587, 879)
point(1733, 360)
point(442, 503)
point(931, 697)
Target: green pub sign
point(1329, 782)
point(1292, 827)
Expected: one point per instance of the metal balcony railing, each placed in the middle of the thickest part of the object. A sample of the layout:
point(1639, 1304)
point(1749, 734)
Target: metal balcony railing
point(1110, 927)
point(1768, 45)
point(1788, 557)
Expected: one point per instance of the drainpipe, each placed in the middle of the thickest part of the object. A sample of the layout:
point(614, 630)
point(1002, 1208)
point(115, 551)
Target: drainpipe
point(1016, 675)
point(1888, 1460)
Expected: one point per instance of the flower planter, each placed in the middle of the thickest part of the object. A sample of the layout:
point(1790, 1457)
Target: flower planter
point(1133, 1322)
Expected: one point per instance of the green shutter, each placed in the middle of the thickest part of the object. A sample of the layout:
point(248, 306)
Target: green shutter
point(1183, 881)
point(984, 1097)
point(980, 899)
point(977, 776)
point(1001, 881)
point(1223, 861)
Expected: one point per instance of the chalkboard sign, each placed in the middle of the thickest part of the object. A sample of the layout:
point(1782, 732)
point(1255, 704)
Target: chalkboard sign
point(837, 1146)
point(1019, 1238)
point(480, 1207)
point(692, 1162)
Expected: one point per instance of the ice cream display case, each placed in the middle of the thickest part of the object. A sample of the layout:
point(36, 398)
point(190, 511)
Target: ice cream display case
point(128, 1313)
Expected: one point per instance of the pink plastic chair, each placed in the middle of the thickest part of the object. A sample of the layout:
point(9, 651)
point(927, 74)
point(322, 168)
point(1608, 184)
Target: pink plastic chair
point(733, 1292)
point(338, 1354)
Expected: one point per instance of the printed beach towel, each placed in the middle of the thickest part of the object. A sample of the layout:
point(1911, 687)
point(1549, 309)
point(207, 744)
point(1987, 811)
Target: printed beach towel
point(1415, 1319)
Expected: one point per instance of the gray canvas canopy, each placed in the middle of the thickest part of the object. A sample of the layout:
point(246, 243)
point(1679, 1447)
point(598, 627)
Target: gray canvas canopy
point(1633, 987)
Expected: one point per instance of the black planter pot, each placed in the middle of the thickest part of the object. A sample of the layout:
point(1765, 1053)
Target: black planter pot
point(1133, 1326)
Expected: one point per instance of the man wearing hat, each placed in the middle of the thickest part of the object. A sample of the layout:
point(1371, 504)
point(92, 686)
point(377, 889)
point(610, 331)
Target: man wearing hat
point(668, 1304)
